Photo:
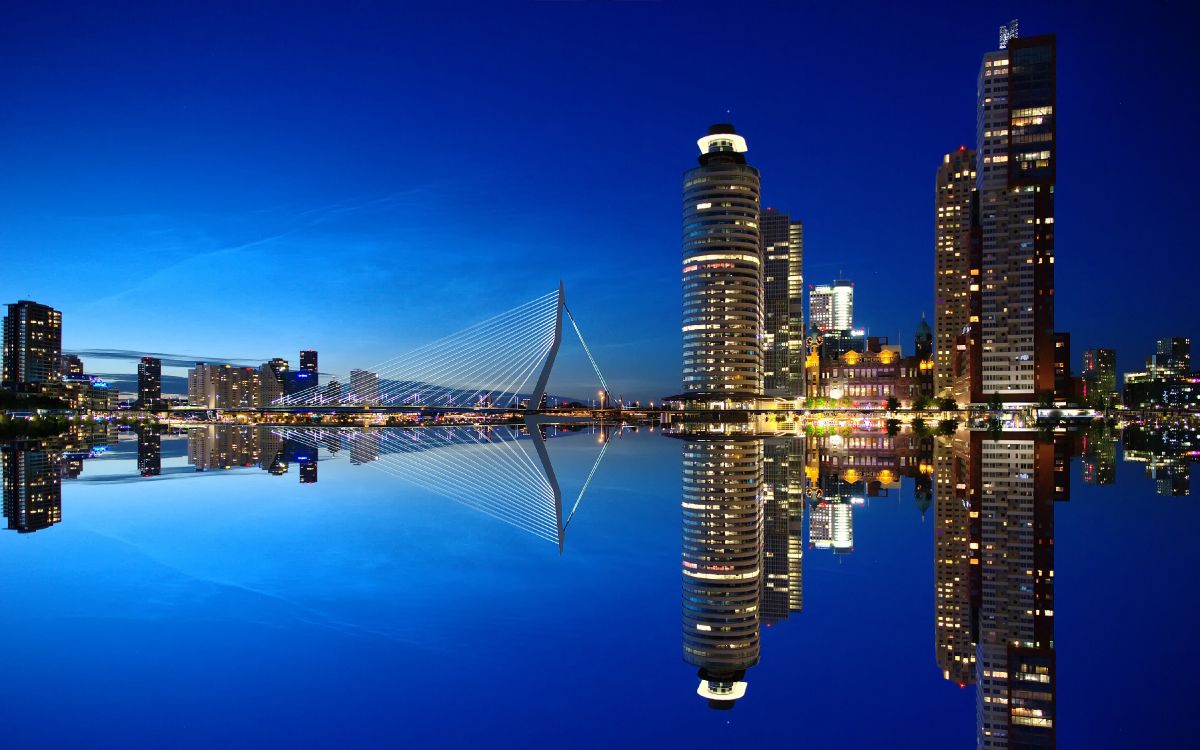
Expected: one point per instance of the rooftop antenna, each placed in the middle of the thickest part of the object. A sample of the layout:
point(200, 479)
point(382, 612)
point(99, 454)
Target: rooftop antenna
point(1008, 32)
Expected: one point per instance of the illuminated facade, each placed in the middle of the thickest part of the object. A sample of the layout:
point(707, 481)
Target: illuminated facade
point(1015, 176)
point(224, 386)
point(722, 274)
point(1100, 378)
point(32, 346)
point(955, 277)
point(831, 306)
point(149, 453)
point(308, 361)
point(783, 528)
point(956, 559)
point(1015, 660)
point(722, 563)
point(783, 301)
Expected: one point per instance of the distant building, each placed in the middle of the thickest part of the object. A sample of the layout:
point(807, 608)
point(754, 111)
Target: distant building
point(831, 306)
point(722, 274)
point(955, 277)
point(297, 381)
point(1100, 378)
point(223, 386)
point(1168, 383)
point(32, 346)
point(273, 380)
point(783, 304)
point(364, 387)
point(1172, 356)
point(308, 361)
point(71, 365)
point(149, 382)
point(1066, 386)
point(866, 371)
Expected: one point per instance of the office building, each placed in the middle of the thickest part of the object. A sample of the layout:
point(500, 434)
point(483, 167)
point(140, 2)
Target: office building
point(1167, 383)
point(722, 564)
point(722, 275)
point(308, 361)
point(783, 305)
point(783, 528)
point(149, 382)
point(831, 306)
point(956, 570)
point(954, 275)
point(1100, 378)
point(32, 346)
point(1015, 177)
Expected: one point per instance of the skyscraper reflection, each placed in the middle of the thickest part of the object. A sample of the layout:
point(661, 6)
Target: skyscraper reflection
point(722, 563)
point(32, 486)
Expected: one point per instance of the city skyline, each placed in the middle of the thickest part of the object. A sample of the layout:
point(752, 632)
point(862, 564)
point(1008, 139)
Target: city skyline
point(214, 183)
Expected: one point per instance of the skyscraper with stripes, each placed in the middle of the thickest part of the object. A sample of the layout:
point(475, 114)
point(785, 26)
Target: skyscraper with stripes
point(722, 274)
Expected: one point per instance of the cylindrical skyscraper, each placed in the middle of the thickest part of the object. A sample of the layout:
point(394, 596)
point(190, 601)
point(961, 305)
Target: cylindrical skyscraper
point(722, 274)
point(722, 563)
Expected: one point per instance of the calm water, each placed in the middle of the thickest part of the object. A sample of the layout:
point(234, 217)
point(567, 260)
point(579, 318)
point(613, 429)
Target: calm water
point(408, 588)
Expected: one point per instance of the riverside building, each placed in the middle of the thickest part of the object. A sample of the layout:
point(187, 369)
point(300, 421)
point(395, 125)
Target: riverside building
point(722, 275)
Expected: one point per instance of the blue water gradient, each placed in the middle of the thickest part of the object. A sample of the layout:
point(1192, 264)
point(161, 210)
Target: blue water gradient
point(237, 609)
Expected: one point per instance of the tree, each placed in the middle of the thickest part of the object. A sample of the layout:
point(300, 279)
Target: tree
point(995, 403)
point(893, 403)
point(921, 402)
point(947, 404)
point(920, 428)
point(947, 426)
point(1046, 398)
point(893, 427)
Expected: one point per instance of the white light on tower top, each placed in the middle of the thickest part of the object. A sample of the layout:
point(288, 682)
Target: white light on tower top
point(1008, 32)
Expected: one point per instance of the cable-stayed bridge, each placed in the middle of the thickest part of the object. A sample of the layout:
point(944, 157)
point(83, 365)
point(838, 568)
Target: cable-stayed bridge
point(487, 469)
point(487, 365)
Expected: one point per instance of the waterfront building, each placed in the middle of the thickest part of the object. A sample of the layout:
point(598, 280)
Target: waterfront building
point(1100, 378)
point(1100, 455)
point(223, 386)
point(308, 361)
point(862, 371)
point(955, 277)
point(1015, 177)
point(722, 564)
point(1167, 383)
point(722, 274)
point(149, 382)
point(32, 346)
point(783, 305)
point(831, 306)
point(32, 485)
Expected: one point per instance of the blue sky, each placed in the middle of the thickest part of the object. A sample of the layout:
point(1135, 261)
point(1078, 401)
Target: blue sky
point(233, 181)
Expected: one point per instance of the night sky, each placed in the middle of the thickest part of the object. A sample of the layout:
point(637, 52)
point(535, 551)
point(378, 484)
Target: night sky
point(244, 181)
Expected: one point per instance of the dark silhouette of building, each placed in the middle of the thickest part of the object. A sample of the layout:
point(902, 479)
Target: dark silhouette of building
point(149, 383)
point(149, 453)
point(308, 361)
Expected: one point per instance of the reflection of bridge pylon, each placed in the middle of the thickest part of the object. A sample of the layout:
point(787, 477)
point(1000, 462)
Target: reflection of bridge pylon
point(485, 365)
point(483, 468)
